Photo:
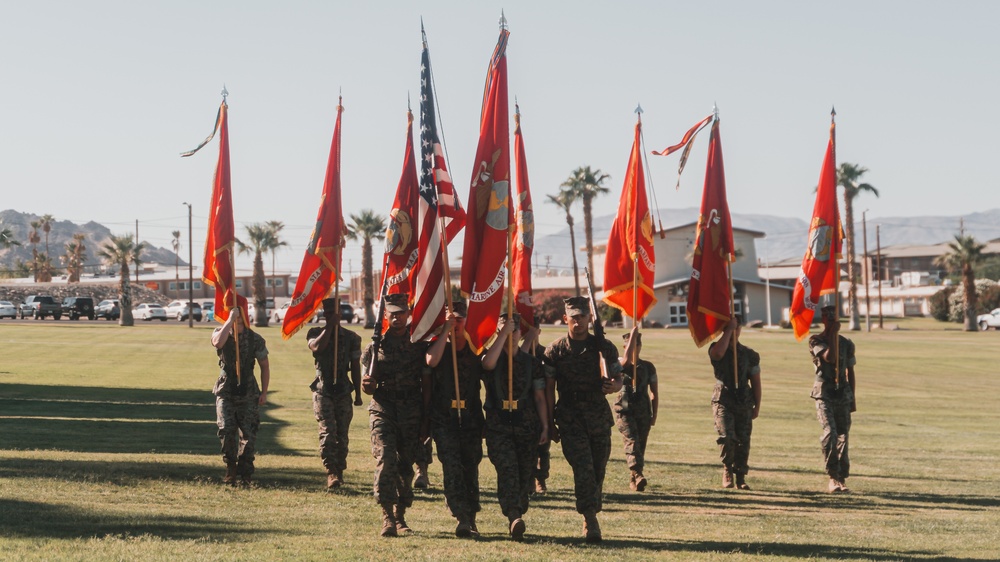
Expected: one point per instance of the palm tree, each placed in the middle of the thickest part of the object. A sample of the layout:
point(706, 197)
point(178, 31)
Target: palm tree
point(7, 238)
point(367, 225)
point(74, 257)
point(586, 184)
point(565, 201)
point(260, 240)
point(848, 176)
point(120, 250)
point(176, 244)
point(34, 238)
point(965, 254)
point(275, 243)
point(46, 222)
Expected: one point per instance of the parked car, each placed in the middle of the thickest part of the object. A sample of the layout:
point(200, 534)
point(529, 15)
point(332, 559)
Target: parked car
point(991, 320)
point(347, 312)
point(7, 310)
point(279, 315)
point(40, 306)
point(179, 310)
point(148, 311)
point(208, 311)
point(78, 307)
point(252, 308)
point(108, 309)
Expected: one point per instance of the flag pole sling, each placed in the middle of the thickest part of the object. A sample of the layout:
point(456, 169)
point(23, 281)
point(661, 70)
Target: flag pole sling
point(457, 404)
point(732, 314)
point(510, 404)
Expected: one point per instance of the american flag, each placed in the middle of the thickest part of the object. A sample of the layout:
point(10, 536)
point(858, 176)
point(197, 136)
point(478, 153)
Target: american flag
point(437, 198)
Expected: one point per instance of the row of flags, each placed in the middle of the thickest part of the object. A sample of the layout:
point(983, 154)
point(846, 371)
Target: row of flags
point(426, 215)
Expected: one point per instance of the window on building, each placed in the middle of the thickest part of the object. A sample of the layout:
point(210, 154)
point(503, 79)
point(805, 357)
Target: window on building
point(275, 282)
point(239, 283)
point(677, 314)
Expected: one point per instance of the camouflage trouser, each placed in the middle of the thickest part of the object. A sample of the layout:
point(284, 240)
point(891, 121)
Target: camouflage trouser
point(542, 467)
point(734, 423)
point(513, 450)
point(585, 429)
point(634, 427)
point(395, 440)
point(238, 420)
point(334, 416)
point(460, 452)
point(835, 419)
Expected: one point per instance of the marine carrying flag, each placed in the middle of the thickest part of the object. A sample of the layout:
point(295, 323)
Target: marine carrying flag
point(219, 241)
point(437, 198)
point(709, 305)
point(819, 272)
point(630, 260)
point(524, 236)
point(320, 269)
point(401, 252)
point(490, 214)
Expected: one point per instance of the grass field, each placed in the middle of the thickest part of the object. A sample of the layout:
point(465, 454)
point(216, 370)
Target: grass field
point(108, 452)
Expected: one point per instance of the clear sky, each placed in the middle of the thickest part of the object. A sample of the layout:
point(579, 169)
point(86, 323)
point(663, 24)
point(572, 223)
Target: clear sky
point(97, 100)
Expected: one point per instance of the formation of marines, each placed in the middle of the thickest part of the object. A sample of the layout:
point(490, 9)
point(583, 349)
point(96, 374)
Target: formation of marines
point(432, 391)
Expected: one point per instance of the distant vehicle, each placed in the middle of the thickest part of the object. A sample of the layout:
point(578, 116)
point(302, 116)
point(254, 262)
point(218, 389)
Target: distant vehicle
point(40, 306)
point(77, 307)
point(208, 311)
point(279, 315)
point(252, 308)
point(7, 310)
point(108, 309)
point(346, 312)
point(991, 320)
point(148, 311)
point(179, 310)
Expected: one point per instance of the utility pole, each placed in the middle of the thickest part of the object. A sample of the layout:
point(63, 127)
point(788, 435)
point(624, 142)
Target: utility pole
point(878, 245)
point(190, 271)
point(767, 283)
point(868, 265)
point(137, 244)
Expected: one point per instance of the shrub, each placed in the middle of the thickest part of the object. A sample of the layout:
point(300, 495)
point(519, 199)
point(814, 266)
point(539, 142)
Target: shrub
point(939, 304)
point(956, 301)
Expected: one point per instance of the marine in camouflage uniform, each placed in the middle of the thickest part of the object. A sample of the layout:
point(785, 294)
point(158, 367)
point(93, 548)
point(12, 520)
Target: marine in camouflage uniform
point(332, 403)
point(237, 403)
point(513, 433)
point(833, 392)
point(735, 405)
point(459, 440)
point(394, 412)
point(582, 417)
point(635, 408)
point(543, 463)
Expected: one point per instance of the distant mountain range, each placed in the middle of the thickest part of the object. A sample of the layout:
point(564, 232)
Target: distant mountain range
point(786, 237)
point(62, 232)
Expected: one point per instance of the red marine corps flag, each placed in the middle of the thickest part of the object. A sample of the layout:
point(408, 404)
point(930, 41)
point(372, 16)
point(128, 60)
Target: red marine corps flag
point(490, 214)
point(819, 274)
point(439, 215)
point(709, 305)
point(320, 269)
point(630, 260)
point(401, 252)
point(524, 238)
point(218, 271)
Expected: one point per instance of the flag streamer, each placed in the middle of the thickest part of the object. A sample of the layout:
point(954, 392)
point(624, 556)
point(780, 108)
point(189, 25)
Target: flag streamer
point(686, 143)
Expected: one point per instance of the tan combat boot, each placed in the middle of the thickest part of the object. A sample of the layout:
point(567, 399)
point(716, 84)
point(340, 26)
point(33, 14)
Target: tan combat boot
point(388, 521)
point(834, 486)
point(517, 527)
point(639, 479)
point(464, 528)
point(591, 528)
point(540, 487)
point(333, 479)
point(231, 475)
point(741, 481)
point(421, 482)
point(401, 527)
point(727, 478)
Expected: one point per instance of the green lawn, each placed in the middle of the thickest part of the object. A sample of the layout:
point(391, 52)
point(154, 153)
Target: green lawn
point(108, 452)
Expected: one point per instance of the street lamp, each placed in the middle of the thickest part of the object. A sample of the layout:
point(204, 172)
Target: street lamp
point(190, 271)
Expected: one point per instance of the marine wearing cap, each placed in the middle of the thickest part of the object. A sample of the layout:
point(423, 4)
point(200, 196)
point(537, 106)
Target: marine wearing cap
point(576, 306)
point(829, 312)
point(458, 308)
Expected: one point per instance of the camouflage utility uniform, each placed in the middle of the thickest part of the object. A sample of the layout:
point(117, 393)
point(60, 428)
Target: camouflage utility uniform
point(541, 473)
point(833, 404)
point(582, 413)
point(733, 407)
point(459, 447)
point(395, 415)
point(634, 413)
point(512, 436)
point(236, 404)
point(332, 396)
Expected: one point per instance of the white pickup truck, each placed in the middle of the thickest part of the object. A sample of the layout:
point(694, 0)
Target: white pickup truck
point(991, 320)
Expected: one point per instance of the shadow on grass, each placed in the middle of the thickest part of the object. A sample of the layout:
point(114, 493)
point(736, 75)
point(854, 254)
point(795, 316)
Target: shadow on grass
point(21, 518)
point(119, 420)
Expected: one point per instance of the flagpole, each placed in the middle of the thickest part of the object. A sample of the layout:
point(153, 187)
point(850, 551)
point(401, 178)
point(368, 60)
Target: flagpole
point(457, 404)
point(836, 256)
point(336, 328)
point(235, 308)
point(509, 403)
